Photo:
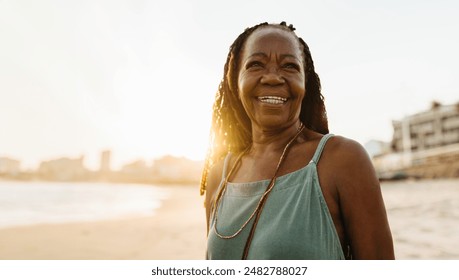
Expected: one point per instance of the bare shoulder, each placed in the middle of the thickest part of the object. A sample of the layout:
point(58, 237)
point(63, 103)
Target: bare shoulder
point(348, 160)
point(347, 171)
point(350, 171)
point(213, 181)
point(345, 149)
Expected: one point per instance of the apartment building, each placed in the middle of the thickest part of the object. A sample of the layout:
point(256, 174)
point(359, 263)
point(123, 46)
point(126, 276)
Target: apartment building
point(425, 144)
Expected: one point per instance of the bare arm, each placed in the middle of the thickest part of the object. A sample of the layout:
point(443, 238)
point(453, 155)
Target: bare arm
point(361, 203)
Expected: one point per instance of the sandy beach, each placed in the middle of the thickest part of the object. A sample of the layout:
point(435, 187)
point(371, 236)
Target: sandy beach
point(423, 216)
point(176, 231)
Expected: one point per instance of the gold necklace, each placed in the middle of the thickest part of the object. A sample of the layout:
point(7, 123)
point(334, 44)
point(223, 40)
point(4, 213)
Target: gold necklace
point(268, 189)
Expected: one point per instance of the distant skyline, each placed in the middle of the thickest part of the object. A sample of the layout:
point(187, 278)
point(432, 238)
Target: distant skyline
point(139, 77)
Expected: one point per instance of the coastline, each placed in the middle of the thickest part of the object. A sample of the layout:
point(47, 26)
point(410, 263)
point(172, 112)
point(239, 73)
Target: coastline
point(176, 231)
point(422, 215)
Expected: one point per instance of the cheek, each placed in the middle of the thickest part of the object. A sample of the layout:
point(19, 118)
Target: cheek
point(242, 92)
point(240, 85)
point(296, 108)
point(245, 86)
point(299, 89)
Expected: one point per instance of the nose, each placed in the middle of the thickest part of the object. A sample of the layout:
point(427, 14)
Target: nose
point(272, 77)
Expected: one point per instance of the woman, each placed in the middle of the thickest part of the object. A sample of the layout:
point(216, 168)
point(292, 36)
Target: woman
point(278, 185)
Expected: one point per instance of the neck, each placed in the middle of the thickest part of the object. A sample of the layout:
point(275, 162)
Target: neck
point(265, 140)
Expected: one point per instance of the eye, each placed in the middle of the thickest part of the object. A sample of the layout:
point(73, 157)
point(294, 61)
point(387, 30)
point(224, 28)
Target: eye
point(292, 66)
point(254, 64)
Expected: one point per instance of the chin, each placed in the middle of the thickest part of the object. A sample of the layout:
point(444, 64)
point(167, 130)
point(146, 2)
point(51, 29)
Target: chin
point(272, 123)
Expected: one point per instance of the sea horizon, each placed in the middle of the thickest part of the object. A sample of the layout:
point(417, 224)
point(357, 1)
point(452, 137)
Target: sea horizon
point(24, 203)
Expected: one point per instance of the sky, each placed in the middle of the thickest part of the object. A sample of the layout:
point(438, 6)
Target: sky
point(139, 77)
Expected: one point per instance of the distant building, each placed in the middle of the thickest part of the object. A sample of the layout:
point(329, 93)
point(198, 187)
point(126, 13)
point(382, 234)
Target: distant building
point(64, 169)
point(105, 162)
point(105, 172)
point(434, 128)
point(177, 169)
point(9, 166)
point(425, 144)
point(135, 172)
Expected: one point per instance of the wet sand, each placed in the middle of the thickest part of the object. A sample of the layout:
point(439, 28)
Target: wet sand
point(176, 231)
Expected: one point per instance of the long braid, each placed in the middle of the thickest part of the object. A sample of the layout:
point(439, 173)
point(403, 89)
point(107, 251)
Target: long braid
point(313, 113)
point(231, 127)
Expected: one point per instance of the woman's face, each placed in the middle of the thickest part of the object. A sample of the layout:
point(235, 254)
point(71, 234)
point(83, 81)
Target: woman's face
point(271, 79)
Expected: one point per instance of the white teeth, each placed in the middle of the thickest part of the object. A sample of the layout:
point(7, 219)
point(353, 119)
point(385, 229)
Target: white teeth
point(272, 99)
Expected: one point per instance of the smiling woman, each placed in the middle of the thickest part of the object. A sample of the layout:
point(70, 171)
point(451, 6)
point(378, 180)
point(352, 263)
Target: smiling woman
point(268, 195)
point(278, 67)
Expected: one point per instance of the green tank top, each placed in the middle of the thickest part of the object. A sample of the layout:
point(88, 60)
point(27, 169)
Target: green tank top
point(295, 222)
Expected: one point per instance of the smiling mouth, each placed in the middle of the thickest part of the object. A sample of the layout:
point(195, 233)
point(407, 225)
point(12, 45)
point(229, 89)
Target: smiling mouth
point(272, 99)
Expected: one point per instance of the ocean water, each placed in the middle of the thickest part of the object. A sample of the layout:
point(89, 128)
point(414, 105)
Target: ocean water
point(28, 203)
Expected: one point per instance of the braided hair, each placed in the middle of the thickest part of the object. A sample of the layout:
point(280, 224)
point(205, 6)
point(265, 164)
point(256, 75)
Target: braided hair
point(231, 129)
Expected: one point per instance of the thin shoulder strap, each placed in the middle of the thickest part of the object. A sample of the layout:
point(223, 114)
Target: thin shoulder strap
point(320, 147)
